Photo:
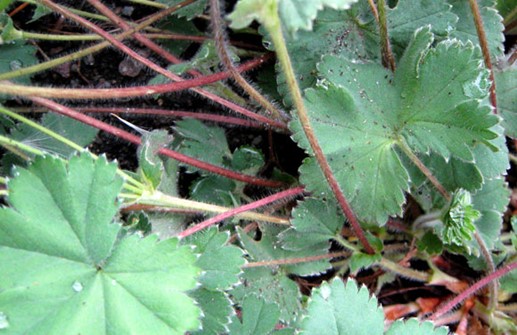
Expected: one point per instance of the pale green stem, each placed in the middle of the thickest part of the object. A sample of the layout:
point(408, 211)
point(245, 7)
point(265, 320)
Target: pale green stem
point(513, 158)
point(403, 271)
point(7, 142)
point(274, 28)
point(84, 52)
point(3, 180)
point(4, 193)
point(149, 3)
point(344, 243)
point(163, 200)
point(136, 186)
point(78, 12)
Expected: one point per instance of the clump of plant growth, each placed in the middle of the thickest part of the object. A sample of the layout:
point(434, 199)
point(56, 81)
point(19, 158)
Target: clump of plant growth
point(405, 111)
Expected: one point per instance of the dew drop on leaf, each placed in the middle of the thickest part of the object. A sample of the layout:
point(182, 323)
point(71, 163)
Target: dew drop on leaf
point(15, 65)
point(325, 292)
point(77, 286)
point(4, 323)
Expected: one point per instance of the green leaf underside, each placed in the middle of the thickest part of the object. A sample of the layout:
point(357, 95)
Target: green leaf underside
point(150, 164)
point(339, 308)
point(506, 89)
point(429, 104)
point(67, 273)
point(294, 14)
point(258, 317)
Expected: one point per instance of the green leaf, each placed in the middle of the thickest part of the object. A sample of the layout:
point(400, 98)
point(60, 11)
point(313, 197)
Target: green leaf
point(215, 190)
point(149, 163)
point(202, 142)
point(14, 56)
point(258, 317)
point(415, 327)
point(272, 286)
point(314, 223)
point(294, 14)
point(429, 104)
point(465, 30)
point(5, 3)
point(65, 270)
point(217, 309)
point(190, 11)
point(221, 263)
point(491, 201)
point(342, 308)
point(361, 260)
point(269, 248)
point(73, 130)
point(506, 90)
point(458, 219)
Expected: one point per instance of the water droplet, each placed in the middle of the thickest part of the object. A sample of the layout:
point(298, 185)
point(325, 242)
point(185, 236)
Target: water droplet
point(15, 65)
point(4, 323)
point(77, 286)
point(325, 292)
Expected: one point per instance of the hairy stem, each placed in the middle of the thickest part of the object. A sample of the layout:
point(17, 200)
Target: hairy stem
point(387, 55)
point(403, 271)
point(274, 29)
point(288, 261)
point(220, 38)
point(373, 8)
point(478, 20)
point(256, 204)
point(166, 201)
point(493, 287)
point(133, 54)
point(84, 52)
point(472, 289)
point(58, 108)
point(421, 166)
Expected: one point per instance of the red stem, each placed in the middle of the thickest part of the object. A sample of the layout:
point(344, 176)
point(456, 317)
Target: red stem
point(58, 108)
point(176, 114)
point(157, 68)
point(248, 207)
point(138, 36)
point(478, 20)
point(503, 270)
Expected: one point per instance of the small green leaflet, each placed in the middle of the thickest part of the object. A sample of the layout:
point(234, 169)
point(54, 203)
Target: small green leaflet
point(150, 165)
point(221, 263)
point(338, 308)
point(258, 317)
point(294, 14)
point(189, 11)
point(217, 309)
point(458, 219)
point(314, 223)
point(429, 104)
point(66, 270)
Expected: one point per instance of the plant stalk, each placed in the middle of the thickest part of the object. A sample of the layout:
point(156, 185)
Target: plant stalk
point(298, 260)
point(273, 26)
point(58, 108)
point(387, 55)
point(478, 21)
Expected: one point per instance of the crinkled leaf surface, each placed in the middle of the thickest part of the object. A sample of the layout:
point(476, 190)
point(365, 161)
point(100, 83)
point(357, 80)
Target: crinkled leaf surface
point(65, 271)
point(149, 163)
point(258, 317)
point(415, 327)
point(221, 263)
point(295, 14)
point(339, 308)
point(465, 30)
point(429, 104)
point(506, 89)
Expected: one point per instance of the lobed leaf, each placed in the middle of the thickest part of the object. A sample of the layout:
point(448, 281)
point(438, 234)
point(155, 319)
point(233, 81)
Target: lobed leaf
point(68, 271)
point(258, 317)
point(342, 308)
point(217, 311)
point(429, 104)
point(415, 327)
point(506, 90)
